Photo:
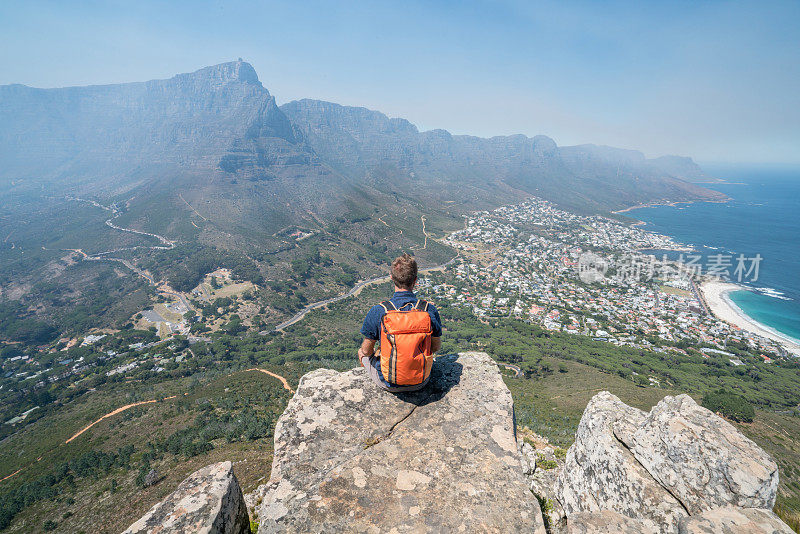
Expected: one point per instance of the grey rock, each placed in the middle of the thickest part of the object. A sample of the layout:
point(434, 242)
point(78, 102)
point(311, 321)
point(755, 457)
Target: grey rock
point(600, 473)
point(151, 478)
point(528, 457)
point(209, 501)
point(702, 460)
point(350, 457)
point(540, 480)
point(731, 520)
point(606, 522)
point(660, 468)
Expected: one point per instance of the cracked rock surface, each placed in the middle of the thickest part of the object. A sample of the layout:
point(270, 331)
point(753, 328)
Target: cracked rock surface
point(678, 468)
point(600, 473)
point(701, 458)
point(731, 520)
point(350, 457)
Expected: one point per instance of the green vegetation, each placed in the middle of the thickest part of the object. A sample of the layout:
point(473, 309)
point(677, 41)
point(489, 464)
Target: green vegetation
point(730, 405)
point(546, 506)
point(15, 326)
point(543, 463)
point(221, 417)
point(220, 412)
point(92, 464)
point(186, 265)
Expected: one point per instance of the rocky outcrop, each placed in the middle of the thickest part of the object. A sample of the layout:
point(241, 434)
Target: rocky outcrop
point(208, 501)
point(350, 457)
point(731, 520)
point(602, 474)
point(702, 459)
point(678, 468)
point(606, 521)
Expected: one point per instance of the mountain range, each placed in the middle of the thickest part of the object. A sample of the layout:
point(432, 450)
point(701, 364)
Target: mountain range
point(219, 136)
point(210, 162)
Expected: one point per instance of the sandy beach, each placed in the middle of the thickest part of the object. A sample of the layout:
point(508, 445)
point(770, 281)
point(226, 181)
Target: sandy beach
point(716, 297)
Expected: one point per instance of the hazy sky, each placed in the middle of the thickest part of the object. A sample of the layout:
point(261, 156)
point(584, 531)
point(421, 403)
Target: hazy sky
point(719, 81)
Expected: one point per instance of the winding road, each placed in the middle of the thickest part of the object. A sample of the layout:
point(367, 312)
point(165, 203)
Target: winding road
point(355, 290)
point(515, 368)
point(166, 244)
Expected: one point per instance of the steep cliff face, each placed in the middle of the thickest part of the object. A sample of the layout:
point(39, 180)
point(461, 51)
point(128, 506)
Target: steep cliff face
point(352, 458)
point(112, 135)
point(219, 125)
point(587, 177)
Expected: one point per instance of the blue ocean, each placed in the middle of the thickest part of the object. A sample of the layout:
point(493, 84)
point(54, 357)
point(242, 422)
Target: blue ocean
point(763, 218)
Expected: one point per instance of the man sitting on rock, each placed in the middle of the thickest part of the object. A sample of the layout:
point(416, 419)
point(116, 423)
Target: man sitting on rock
point(410, 333)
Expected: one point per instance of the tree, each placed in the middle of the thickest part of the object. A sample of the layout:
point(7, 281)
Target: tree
point(730, 405)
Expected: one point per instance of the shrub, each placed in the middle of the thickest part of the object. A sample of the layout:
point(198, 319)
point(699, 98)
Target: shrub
point(730, 405)
point(547, 464)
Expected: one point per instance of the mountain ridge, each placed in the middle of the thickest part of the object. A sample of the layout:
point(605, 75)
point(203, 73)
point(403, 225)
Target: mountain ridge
point(221, 121)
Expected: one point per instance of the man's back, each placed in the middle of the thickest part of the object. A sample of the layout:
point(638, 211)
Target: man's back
point(408, 343)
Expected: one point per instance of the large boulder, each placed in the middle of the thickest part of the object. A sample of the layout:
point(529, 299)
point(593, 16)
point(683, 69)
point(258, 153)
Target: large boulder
point(702, 459)
point(351, 457)
point(600, 473)
point(208, 501)
point(678, 468)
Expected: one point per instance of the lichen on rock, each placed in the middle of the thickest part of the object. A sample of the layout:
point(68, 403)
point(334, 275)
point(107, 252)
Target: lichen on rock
point(351, 457)
point(679, 468)
point(209, 501)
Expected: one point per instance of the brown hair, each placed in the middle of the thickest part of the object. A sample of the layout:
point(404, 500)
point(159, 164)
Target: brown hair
point(404, 271)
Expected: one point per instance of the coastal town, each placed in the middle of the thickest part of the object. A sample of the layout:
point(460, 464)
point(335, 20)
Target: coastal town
point(588, 275)
point(594, 276)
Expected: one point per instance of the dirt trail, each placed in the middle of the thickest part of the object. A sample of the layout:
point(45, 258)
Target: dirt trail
point(279, 377)
point(12, 474)
point(141, 403)
point(192, 208)
point(115, 412)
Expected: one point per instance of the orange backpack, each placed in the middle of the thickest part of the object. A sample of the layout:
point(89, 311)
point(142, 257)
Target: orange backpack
point(406, 357)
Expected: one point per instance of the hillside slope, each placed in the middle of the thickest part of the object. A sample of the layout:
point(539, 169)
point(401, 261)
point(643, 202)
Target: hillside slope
point(210, 162)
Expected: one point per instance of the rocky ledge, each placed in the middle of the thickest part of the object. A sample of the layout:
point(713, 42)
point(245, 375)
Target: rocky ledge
point(350, 457)
point(209, 501)
point(677, 469)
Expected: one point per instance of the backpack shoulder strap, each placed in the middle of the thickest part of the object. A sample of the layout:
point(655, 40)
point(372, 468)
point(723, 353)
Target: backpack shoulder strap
point(388, 305)
point(421, 305)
